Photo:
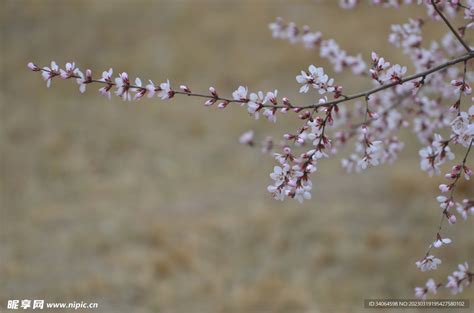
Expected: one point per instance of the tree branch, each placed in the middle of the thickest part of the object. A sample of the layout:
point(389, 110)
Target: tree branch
point(438, 68)
point(433, 2)
point(423, 74)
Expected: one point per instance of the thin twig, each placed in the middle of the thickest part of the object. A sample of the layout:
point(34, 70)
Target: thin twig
point(433, 2)
point(443, 215)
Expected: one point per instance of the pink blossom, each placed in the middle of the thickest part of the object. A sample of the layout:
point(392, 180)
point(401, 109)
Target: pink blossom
point(33, 67)
point(69, 70)
point(107, 79)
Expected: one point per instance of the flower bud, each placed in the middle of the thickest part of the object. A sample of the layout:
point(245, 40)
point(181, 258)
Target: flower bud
point(452, 219)
point(223, 104)
point(185, 88)
point(467, 172)
point(210, 102)
point(213, 91)
point(444, 188)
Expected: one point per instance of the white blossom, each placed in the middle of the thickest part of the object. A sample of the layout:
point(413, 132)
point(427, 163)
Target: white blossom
point(422, 292)
point(49, 72)
point(165, 91)
point(122, 84)
point(240, 94)
point(441, 241)
point(428, 263)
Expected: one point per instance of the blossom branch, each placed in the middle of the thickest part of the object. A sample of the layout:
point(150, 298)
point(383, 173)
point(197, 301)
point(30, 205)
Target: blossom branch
point(446, 21)
point(328, 48)
point(380, 113)
point(460, 278)
point(456, 282)
point(422, 74)
point(52, 72)
point(447, 202)
point(213, 98)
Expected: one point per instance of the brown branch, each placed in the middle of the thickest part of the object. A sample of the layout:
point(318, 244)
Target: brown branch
point(462, 58)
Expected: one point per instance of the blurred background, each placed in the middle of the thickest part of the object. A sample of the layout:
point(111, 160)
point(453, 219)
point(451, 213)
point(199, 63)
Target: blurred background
point(153, 206)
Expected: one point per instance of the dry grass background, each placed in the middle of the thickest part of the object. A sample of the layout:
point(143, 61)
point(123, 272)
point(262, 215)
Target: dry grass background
point(154, 207)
